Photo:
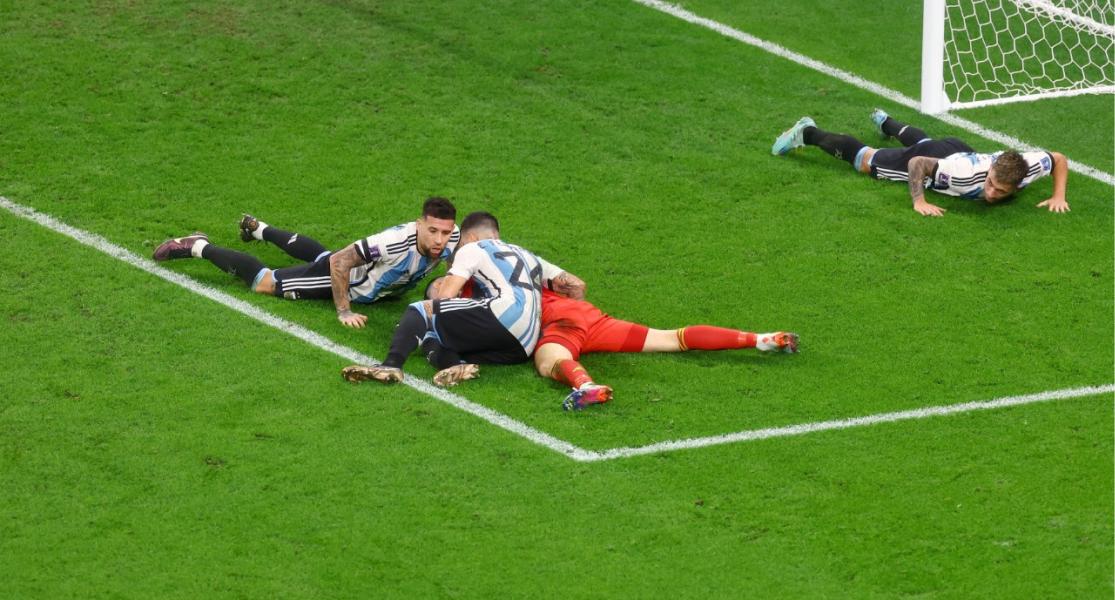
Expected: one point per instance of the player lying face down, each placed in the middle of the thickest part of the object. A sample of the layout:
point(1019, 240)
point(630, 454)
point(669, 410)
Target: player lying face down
point(948, 165)
point(499, 325)
point(384, 264)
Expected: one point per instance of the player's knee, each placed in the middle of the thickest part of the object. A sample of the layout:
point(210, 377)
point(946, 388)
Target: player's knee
point(264, 283)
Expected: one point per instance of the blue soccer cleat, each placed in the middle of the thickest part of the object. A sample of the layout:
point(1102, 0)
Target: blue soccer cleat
point(878, 117)
point(792, 137)
point(587, 394)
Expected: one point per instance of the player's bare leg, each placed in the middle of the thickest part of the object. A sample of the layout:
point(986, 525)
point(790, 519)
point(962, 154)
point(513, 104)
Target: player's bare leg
point(556, 362)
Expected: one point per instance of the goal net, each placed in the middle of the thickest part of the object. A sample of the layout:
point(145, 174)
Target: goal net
point(998, 51)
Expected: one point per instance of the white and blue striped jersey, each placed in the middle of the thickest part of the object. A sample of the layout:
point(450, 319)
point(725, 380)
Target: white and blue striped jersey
point(964, 173)
point(509, 279)
point(393, 263)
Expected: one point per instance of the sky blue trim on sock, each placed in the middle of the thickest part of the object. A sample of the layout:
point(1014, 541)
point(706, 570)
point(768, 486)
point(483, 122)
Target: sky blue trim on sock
point(923, 140)
point(858, 162)
point(259, 277)
point(322, 255)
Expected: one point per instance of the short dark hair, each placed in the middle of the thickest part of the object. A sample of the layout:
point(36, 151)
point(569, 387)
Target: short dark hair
point(439, 208)
point(1010, 168)
point(480, 220)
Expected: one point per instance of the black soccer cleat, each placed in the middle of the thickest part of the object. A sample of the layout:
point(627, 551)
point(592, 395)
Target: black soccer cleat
point(178, 247)
point(248, 224)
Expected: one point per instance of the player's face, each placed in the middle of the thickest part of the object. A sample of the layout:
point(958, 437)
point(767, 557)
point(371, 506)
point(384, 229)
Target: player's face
point(433, 235)
point(993, 191)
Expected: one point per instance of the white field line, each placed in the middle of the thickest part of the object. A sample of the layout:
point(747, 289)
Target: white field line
point(856, 80)
point(917, 413)
point(99, 243)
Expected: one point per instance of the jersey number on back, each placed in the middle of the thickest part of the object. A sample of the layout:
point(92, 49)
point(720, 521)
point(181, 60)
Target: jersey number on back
point(517, 268)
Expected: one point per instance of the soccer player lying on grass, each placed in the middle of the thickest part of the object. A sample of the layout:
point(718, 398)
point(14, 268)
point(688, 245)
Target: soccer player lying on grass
point(947, 165)
point(385, 264)
point(572, 326)
point(499, 326)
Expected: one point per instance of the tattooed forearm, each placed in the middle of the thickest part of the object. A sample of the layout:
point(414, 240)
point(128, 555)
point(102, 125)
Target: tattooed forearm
point(920, 167)
point(340, 263)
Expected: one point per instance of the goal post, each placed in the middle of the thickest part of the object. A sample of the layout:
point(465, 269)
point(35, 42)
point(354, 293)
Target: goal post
point(986, 52)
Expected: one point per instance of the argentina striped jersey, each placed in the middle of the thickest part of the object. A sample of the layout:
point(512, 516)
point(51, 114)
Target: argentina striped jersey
point(393, 263)
point(964, 173)
point(509, 279)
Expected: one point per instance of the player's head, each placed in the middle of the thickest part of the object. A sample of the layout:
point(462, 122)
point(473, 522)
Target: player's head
point(435, 226)
point(479, 226)
point(1005, 175)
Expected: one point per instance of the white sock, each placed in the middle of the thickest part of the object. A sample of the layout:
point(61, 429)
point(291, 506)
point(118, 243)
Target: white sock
point(258, 233)
point(198, 246)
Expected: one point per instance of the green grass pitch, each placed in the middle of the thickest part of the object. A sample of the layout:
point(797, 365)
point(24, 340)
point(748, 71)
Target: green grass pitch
point(156, 444)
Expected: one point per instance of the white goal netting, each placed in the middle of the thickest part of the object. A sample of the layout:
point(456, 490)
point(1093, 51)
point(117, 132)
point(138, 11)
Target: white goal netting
point(999, 51)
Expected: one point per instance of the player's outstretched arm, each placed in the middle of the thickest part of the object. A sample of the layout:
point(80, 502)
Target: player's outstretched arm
point(921, 167)
point(340, 263)
point(1057, 202)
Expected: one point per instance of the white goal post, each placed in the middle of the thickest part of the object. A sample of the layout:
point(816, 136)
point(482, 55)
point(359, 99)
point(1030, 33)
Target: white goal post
point(987, 52)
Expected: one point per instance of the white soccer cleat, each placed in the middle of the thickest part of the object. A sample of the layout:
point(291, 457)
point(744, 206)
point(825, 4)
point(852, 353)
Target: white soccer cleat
point(792, 137)
point(457, 373)
point(779, 341)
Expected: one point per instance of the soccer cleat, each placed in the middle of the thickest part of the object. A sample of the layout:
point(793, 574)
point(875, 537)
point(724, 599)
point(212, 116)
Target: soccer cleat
point(781, 341)
point(457, 373)
point(178, 247)
point(590, 393)
point(792, 137)
point(248, 224)
point(878, 117)
point(358, 373)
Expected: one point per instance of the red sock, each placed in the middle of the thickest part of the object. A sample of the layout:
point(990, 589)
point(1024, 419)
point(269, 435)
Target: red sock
point(706, 337)
point(571, 373)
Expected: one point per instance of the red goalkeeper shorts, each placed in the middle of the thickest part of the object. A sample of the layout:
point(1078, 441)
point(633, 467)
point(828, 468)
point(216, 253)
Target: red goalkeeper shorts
point(582, 328)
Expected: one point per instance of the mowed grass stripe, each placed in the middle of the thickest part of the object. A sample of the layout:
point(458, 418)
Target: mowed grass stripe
point(503, 421)
point(314, 339)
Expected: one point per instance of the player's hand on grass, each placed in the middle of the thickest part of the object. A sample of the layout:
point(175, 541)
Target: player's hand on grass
point(1055, 204)
point(351, 319)
point(929, 210)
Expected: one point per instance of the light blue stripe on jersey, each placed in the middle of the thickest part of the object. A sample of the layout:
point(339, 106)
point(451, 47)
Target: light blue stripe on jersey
point(390, 278)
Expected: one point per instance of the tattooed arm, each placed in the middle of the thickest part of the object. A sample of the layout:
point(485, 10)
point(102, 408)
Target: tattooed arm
point(569, 285)
point(920, 168)
point(340, 263)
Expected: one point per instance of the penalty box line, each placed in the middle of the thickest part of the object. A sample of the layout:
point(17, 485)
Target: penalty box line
point(864, 84)
point(310, 337)
point(891, 417)
point(499, 419)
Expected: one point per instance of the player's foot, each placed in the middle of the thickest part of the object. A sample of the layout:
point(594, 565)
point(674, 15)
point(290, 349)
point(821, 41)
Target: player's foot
point(179, 247)
point(779, 341)
point(248, 225)
point(456, 374)
point(792, 137)
point(878, 117)
point(590, 393)
point(358, 373)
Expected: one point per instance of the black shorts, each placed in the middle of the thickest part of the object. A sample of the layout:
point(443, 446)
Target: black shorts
point(310, 281)
point(893, 163)
point(469, 328)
